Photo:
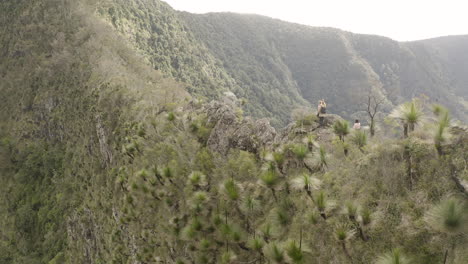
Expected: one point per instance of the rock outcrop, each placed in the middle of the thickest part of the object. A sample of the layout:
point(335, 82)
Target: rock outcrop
point(230, 131)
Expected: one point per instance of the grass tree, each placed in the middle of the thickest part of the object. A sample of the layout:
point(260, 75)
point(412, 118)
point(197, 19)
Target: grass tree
point(168, 173)
point(274, 253)
point(282, 217)
point(294, 252)
point(341, 129)
point(231, 189)
point(309, 140)
point(364, 218)
point(171, 116)
point(442, 134)
point(343, 234)
point(198, 200)
point(270, 179)
point(256, 244)
point(250, 206)
point(324, 205)
point(305, 182)
point(393, 257)
point(450, 218)
point(300, 151)
point(320, 158)
point(359, 138)
point(228, 257)
point(351, 211)
point(279, 159)
point(410, 113)
point(197, 179)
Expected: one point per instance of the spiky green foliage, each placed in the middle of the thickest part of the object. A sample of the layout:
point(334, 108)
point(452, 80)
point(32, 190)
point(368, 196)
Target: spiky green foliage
point(294, 252)
point(168, 172)
point(231, 189)
point(320, 157)
point(365, 216)
point(343, 233)
point(90, 163)
point(359, 138)
point(269, 178)
point(228, 257)
point(305, 182)
point(300, 151)
point(409, 113)
point(442, 134)
point(393, 257)
point(351, 210)
point(341, 129)
point(197, 178)
point(256, 244)
point(278, 157)
point(274, 253)
point(449, 216)
point(171, 116)
point(198, 199)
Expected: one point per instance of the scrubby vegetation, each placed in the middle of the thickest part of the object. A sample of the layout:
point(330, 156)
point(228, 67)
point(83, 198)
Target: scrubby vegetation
point(104, 160)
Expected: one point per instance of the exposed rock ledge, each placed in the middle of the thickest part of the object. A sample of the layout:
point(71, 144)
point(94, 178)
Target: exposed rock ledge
point(229, 131)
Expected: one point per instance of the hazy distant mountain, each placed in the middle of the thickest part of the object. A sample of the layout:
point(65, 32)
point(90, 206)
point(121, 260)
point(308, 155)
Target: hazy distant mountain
point(278, 66)
point(271, 56)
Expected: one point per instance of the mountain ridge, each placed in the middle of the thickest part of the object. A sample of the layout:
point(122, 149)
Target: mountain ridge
point(361, 44)
point(113, 151)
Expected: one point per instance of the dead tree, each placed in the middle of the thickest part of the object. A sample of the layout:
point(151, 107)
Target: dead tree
point(372, 105)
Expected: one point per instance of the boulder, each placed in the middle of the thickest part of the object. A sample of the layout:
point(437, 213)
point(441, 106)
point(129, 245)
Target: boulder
point(229, 131)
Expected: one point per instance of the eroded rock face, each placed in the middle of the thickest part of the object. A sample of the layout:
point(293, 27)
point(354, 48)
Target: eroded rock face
point(229, 131)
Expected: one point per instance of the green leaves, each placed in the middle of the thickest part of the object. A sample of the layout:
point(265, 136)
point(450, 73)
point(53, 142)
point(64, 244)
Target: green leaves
point(343, 232)
point(393, 257)
point(449, 216)
point(410, 113)
point(294, 252)
point(197, 178)
point(269, 178)
point(256, 244)
point(231, 189)
point(278, 157)
point(305, 182)
point(441, 135)
point(274, 253)
point(359, 138)
point(341, 128)
point(300, 151)
point(171, 116)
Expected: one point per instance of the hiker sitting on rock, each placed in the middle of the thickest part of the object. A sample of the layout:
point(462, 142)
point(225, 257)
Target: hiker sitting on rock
point(357, 125)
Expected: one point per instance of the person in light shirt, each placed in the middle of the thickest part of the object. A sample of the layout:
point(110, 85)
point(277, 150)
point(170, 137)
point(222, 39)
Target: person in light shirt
point(357, 125)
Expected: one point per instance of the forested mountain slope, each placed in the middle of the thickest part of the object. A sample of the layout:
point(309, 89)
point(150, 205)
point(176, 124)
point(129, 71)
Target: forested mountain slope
point(69, 85)
point(270, 56)
point(163, 39)
point(111, 153)
point(278, 66)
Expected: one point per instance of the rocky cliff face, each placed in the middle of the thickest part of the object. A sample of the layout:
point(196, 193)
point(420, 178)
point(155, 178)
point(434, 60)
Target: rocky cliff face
point(231, 131)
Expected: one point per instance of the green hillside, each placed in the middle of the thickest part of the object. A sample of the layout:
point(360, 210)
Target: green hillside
point(112, 151)
point(328, 63)
point(163, 39)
